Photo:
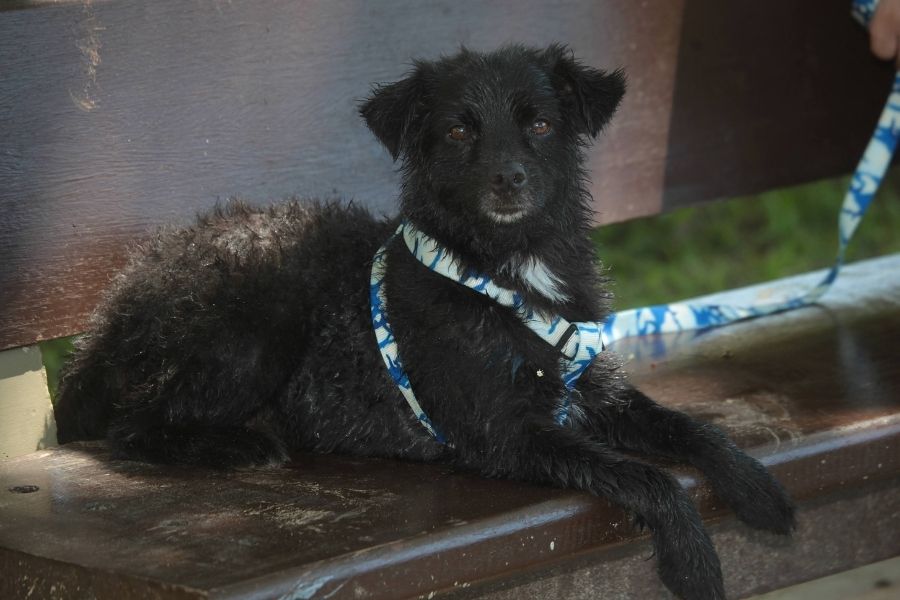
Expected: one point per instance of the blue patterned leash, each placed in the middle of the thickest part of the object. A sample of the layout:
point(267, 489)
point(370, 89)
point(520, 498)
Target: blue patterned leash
point(577, 342)
point(677, 317)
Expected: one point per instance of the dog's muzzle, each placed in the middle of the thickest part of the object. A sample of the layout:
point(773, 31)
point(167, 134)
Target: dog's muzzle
point(507, 207)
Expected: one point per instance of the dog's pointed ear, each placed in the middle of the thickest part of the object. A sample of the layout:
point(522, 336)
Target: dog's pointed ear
point(392, 109)
point(592, 95)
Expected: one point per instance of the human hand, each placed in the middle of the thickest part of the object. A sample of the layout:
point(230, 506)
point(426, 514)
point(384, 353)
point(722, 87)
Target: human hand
point(884, 31)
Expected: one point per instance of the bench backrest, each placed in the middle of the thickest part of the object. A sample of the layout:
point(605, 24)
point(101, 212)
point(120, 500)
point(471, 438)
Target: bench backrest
point(118, 116)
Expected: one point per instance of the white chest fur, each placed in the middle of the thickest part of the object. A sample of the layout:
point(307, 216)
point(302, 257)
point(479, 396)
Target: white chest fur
point(533, 273)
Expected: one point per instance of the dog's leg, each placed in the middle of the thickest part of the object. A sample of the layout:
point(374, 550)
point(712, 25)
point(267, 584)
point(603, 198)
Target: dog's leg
point(644, 426)
point(204, 445)
point(207, 411)
point(687, 561)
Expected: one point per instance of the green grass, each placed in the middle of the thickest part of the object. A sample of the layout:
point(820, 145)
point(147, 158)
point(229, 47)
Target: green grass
point(54, 353)
point(715, 247)
point(733, 243)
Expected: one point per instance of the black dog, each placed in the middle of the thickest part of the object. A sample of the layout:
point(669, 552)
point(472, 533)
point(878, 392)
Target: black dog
point(249, 335)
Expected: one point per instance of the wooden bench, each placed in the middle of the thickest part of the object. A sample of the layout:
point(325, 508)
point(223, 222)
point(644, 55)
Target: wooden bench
point(119, 116)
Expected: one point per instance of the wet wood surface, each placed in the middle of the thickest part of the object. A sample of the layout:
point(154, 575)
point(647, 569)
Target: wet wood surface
point(118, 116)
point(815, 395)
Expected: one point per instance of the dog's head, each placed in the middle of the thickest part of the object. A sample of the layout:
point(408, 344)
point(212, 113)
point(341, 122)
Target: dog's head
point(493, 139)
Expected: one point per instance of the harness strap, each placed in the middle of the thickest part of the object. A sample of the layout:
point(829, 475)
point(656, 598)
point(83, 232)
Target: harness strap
point(577, 343)
point(387, 343)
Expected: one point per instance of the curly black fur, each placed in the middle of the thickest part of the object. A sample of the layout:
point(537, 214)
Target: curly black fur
point(248, 335)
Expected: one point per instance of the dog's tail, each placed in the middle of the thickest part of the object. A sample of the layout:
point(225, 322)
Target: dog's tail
point(83, 405)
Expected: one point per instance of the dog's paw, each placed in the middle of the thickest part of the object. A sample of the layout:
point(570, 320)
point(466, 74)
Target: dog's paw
point(756, 497)
point(689, 566)
point(216, 447)
point(243, 448)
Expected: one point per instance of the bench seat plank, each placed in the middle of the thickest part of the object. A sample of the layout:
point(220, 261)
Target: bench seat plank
point(815, 394)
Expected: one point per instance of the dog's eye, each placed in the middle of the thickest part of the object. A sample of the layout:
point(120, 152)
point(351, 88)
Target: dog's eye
point(540, 127)
point(459, 133)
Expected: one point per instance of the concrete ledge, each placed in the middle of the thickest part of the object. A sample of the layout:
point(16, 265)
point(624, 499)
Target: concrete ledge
point(26, 413)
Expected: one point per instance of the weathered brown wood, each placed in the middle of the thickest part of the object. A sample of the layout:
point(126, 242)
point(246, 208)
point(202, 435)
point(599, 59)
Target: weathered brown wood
point(755, 563)
point(768, 96)
point(814, 394)
point(118, 116)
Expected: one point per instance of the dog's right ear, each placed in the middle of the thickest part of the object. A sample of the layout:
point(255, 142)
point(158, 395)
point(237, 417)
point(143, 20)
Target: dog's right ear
point(392, 109)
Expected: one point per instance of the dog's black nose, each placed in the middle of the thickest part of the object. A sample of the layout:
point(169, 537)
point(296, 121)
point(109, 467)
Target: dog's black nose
point(510, 177)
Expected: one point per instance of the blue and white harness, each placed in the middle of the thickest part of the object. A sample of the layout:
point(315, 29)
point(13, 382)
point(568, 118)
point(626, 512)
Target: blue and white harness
point(579, 342)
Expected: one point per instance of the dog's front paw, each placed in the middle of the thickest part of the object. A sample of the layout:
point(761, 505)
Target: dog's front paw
point(756, 497)
point(245, 448)
point(689, 567)
point(216, 447)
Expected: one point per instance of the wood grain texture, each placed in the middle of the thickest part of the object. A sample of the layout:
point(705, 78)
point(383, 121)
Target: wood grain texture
point(118, 116)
